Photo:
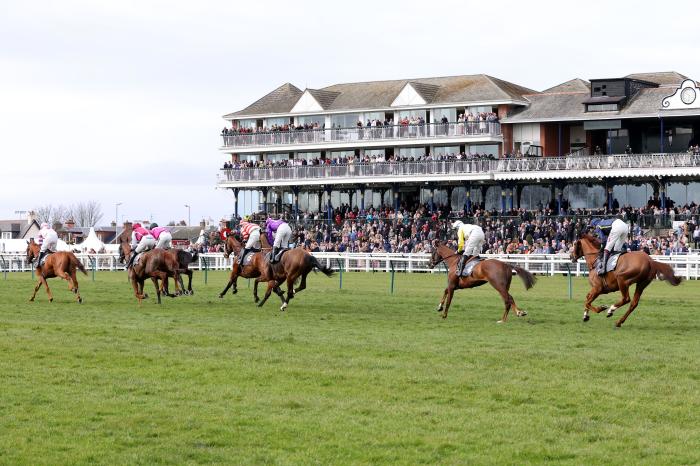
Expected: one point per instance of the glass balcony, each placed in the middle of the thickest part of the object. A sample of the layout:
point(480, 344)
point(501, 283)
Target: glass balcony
point(364, 134)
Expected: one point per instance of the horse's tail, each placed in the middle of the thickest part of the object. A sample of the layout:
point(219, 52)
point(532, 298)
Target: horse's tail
point(528, 279)
point(78, 264)
point(665, 272)
point(317, 265)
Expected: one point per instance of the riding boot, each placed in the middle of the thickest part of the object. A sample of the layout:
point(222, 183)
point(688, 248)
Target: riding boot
point(460, 264)
point(606, 256)
point(243, 254)
point(38, 259)
point(273, 257)
point(131, 260)
point(466, 261)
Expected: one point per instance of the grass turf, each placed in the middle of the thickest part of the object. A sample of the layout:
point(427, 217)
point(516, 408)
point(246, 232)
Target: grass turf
point(352, 376)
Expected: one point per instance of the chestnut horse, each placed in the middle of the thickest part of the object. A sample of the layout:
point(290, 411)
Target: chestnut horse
point(58, 264)
point(257, 268)
point(497, 273)
point(295, 264)
point(154, 264)
point(632, 267)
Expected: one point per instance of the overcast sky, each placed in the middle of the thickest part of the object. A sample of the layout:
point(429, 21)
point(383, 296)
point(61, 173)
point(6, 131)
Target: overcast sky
point(121, 101)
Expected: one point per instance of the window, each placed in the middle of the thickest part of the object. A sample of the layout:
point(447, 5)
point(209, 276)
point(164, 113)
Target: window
point(308, 155)
point(438, 113)
point(6, 235)
point(349, 154)
point(445, 150)
point(602, 108)
point(346, 120)
point(247, 123)
point(277, 157)
point(311, 119)
point(270, 122)
point(414, 152)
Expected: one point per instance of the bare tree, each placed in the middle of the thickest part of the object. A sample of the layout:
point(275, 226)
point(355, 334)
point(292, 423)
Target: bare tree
point(50, 214)
point(86, 214)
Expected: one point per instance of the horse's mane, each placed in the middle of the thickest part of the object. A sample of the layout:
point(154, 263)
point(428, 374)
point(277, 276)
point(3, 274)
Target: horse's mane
point(591, 239)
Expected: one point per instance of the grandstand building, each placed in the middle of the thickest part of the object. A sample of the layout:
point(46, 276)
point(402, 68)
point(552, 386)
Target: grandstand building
point(468, 141)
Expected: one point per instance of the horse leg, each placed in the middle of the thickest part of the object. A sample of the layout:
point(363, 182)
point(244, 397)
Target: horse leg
point(189, 281)
point(450, 293)
point(638, 290)
point(590, 297)
point(155, 283)
point(442, 301)
point(255, 289)
point(625, 292)
point(74, 278)
point(231, 281)
point(138, 291)
point(302, 284)
point(270, 285)
point(46, 286)
point(280, 293)
point(509, 302)
point(36, 288)
point(290, 288)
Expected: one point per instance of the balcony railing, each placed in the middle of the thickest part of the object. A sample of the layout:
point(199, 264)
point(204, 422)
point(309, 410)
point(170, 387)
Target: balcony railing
point(458, 167)
point(372, 133)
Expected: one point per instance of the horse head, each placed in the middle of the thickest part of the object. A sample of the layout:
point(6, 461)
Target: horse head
point(230, 245)
point(576, 252)
point(435, 257)
point(123, 245)
point(31, 250)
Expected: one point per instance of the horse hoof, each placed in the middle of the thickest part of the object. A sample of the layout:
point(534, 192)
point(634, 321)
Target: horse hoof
point(499, 321)
point(80, 300)
point(50, 300)
point(283, 307)
point(586, 318)
point(221, 296)
point(234, 291)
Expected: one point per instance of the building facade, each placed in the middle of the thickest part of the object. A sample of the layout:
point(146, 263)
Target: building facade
point(467, 141)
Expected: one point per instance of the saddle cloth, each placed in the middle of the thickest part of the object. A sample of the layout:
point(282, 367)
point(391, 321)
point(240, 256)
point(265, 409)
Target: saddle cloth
point(268, 256)
point(43, 259)
point(469, 268)
point(612, 262)
point(249, 257)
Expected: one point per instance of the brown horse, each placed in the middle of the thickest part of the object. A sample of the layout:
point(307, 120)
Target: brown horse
point(295, 264)
point(58, 264)
point(184, 259)
point(257, 268)
point(154, 264)
point(633, 267)
point(497, 273)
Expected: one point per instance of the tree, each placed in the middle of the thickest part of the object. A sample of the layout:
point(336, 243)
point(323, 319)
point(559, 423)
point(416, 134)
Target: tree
point(86, 214)
point(50, 214)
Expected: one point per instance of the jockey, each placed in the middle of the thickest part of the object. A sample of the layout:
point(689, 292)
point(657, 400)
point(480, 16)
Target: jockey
point(141, 240)
point(470, 240)
point(281, 232)
point(163, 235)
point(48, 239)
point(616, 231)
point(251, 235)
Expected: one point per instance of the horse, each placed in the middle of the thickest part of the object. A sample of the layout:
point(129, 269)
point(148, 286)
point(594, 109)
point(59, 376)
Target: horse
point(498, 274)
point(58, 264)
point(184, 259)
point(632, 267)
point(295, 264)
point(257, 268)
point(154, 264)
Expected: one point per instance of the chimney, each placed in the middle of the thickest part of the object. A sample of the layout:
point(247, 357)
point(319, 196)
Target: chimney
point(70, 224)
point(202, 224)
point(31, 217)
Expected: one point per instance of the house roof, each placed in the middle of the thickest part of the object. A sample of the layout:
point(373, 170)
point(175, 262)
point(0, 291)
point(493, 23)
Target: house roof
point(447, 90)
point(573, 85)
point(663, 78)
point(21, 226)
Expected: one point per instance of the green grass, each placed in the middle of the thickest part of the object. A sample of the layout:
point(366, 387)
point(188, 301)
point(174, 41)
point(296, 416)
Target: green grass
point(346, 377)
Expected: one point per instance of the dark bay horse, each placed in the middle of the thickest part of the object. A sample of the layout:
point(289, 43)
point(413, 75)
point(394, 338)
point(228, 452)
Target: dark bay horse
point(184, 259)
point(632, 267)
point(295, 264)
point(154, 264)
point(58, 264)
point(497, 273)
point(257, 268)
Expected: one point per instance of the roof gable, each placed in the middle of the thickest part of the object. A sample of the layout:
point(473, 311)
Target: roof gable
point(281, 100)
point(408, 96)
point(307, 103)
point(573, 85)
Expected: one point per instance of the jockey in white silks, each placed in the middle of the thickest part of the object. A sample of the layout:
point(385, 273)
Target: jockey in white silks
point(470, 240)
point(48, 239)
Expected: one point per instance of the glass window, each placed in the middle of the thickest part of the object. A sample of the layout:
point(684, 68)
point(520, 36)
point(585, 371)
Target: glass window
point(411, 114)
point(342, 154)
point(308, 155)
point(345, 120)
point(270, 122)
point(446, 150)
point(247, 123)
point(249, 157)
point(480, 109)
point(6, 235)
point(277, 157)
point(414, 152)
point(601, 107)
point(311, 120)
point(374, 152)
point(483, 149)
point(438, 113)
point(373, 116)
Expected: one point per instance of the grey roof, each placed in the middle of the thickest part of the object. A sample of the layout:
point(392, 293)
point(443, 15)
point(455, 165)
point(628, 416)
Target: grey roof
point(663, 78)
point(324, 98)
point(20, 227)
point(573, 85)
point(570, 106)
point(281, 100)
point(380, 94)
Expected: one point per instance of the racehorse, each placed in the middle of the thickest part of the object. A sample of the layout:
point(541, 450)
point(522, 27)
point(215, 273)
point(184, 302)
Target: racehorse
point(497, 273)
point(632, 267)
point(154, 264)
point(58, 264)
point(295, 264)
point(257, 268)
point(184, 259)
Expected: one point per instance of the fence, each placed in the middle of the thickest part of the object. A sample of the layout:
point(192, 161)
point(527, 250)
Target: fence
point(687, 266)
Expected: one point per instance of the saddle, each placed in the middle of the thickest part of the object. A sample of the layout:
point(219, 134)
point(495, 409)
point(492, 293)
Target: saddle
point(43, 259)
point(268, 256)
point(249, 257)
point(612, 262)
point(469, 267)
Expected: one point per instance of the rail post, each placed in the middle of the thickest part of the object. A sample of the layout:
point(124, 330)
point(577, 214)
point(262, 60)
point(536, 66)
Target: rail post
point(340, 274)
point(391, 265)
point(4, 267)
point(571, 288)
point(206, 269)
point(93, 265)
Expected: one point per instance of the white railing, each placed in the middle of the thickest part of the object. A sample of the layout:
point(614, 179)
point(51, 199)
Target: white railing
point(687, 266)
point(462, 166)
point(370, 133)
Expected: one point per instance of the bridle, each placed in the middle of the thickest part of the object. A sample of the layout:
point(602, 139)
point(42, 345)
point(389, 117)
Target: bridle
point(442, 259)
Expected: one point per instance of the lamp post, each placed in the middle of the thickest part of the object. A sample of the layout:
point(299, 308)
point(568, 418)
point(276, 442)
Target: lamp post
point(189, 217)
point(116, 221)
